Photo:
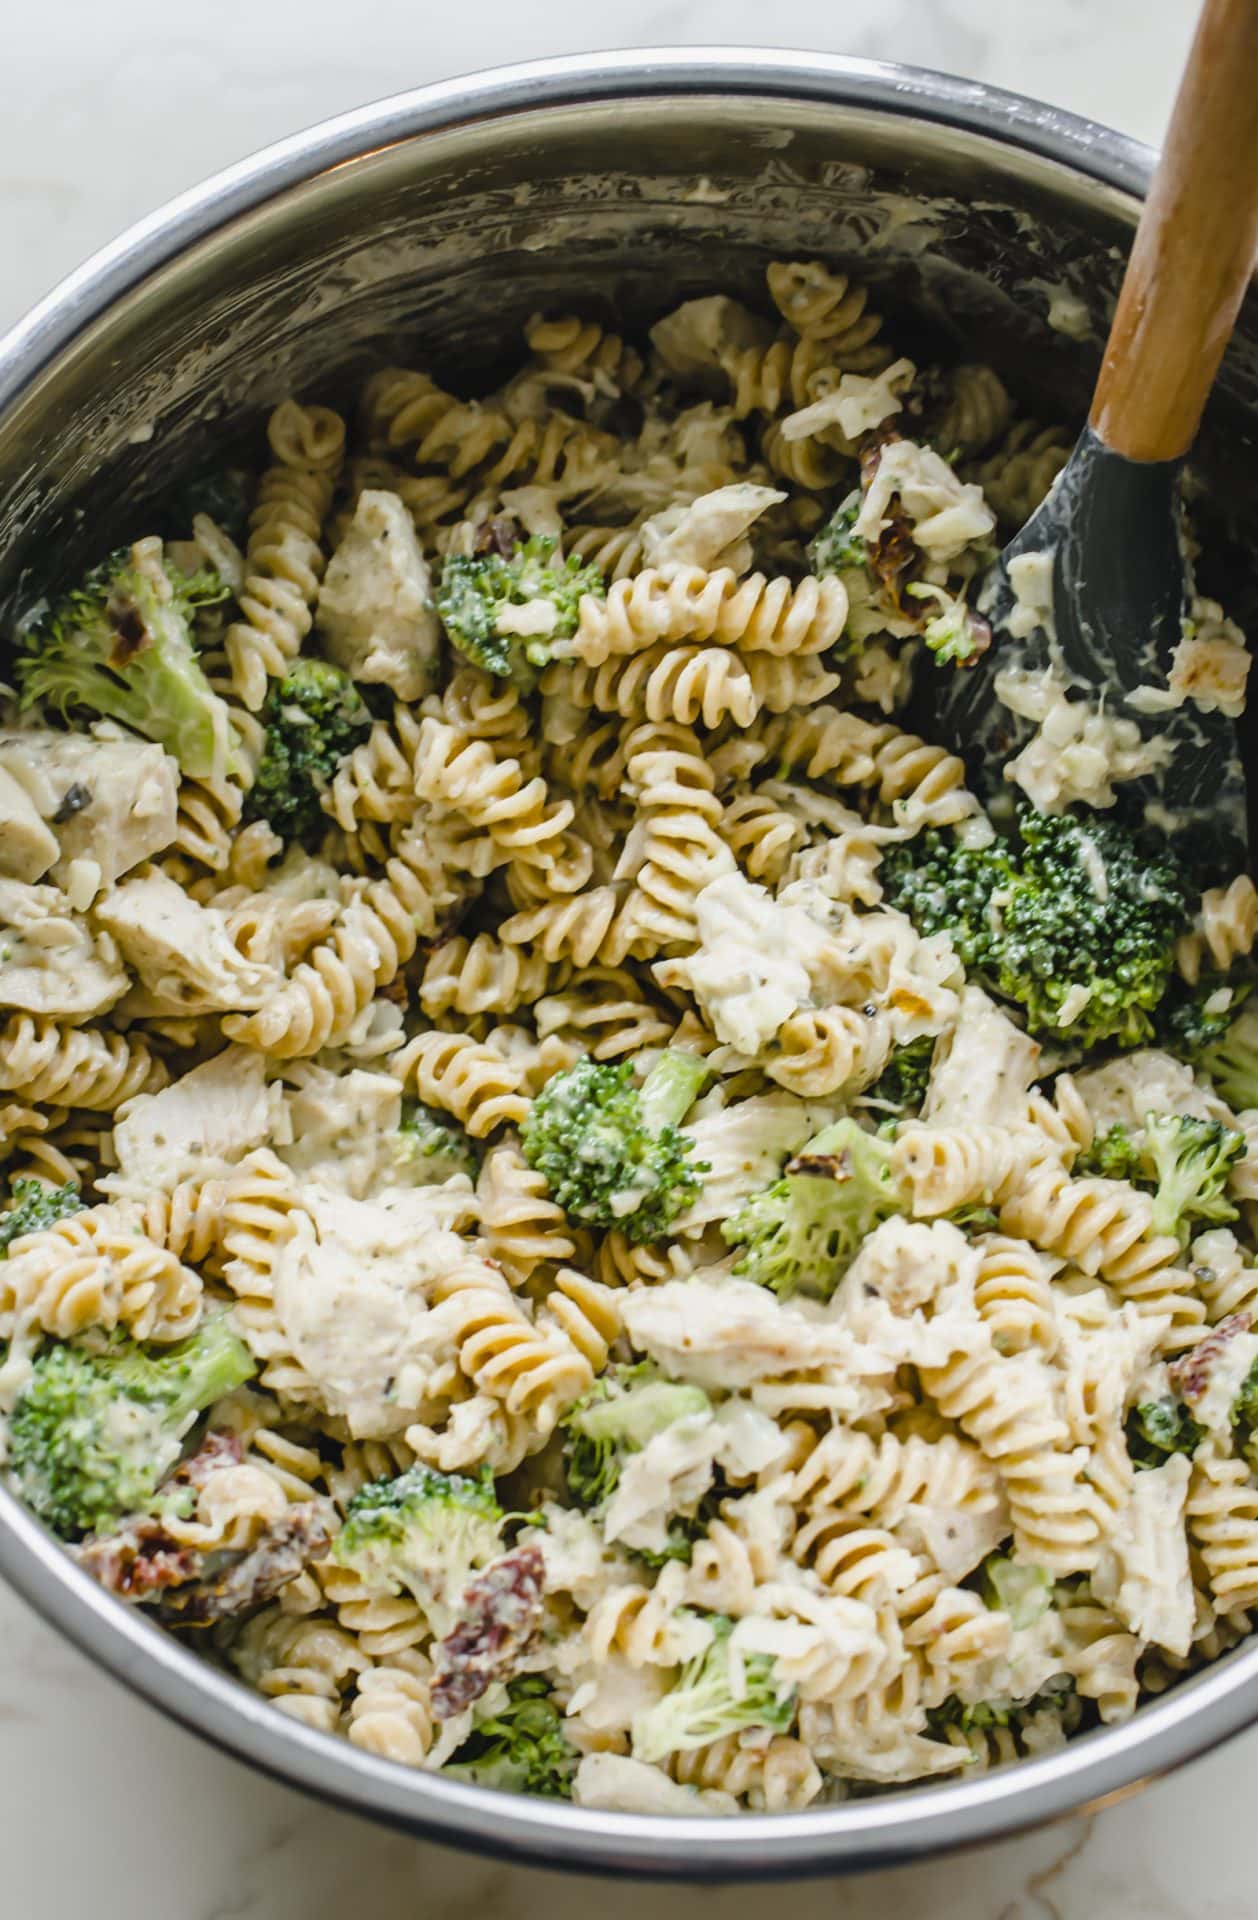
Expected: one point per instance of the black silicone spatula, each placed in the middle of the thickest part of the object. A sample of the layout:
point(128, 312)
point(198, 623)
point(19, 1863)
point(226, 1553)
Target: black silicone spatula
point(1110, 526)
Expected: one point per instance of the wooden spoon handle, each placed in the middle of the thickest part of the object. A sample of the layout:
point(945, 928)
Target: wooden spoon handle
point(1194, 249)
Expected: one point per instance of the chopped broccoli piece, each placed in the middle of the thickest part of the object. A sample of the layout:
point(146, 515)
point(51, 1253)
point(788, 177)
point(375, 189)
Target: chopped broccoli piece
point(313, 718)
point(522, 1748)
point(120, 645)
point(431, 1147)
point(713, 1696)
point(956, 634)
point(225, 493)
point(802, 1233)
point(905, 1078)
point(94, 1434)
point(626, 1408)
point(1158, 1428)
point(1077, 923)
point(612, 1152)
point(1113, 1155)
point(1024, 1593)
point(475, 595)
point(981, 1716)
point(1245, 1405)
point(424, 1531)
point(1191, 1020)
point(974, 1218)
point(1184, 1162)
point(35, 1207)
point(1231, 1060)
point(836, 546)
point(1191, 1160)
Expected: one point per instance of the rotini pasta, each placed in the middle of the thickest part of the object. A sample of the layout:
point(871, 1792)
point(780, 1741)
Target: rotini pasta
point(686, 1314)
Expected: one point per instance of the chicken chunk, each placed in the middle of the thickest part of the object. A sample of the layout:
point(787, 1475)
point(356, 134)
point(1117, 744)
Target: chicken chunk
point(181, 950)
point(108, 798)
point(375, 609)
point(51, 960)
point(27, 847)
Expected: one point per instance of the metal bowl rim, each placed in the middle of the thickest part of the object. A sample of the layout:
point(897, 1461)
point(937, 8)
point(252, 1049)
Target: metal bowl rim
point(862, 1834)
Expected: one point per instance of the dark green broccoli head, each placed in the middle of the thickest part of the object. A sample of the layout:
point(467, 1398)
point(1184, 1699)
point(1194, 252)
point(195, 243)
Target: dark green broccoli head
point(1158, 1428)
point(1081, 907)
point(612, 1152)
point(626, 1408)
point(801, 1234)
point(836, 545)
point(94, 1433)
point(36, 1206)
point(903, 1082)
point(121, 645)
point(479, 598)
point(520, 1749)
point(1231, 1059)
point(1190, 1020)
point(1113, 1155)
point(424, 1531)
point(1190, 1161)
point(313, 718)
point(714, 1695)
point(432, 1147)
point(224, 493)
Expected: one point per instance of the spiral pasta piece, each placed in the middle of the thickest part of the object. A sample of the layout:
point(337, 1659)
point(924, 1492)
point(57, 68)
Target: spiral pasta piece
point(533, 1369)
point(459, 1075)
point(92, 1269)
point(522, 1227)
point(284, 559)
point(756, 615)
point(1224, 932)
point(50, 1064)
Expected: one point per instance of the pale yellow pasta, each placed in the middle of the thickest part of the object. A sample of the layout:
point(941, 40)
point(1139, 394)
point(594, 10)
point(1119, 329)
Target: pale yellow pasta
point(756, 615)
point(284, 558)
point(74, 1067)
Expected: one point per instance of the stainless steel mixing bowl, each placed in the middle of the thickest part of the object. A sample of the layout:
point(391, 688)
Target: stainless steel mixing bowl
point(430, 227)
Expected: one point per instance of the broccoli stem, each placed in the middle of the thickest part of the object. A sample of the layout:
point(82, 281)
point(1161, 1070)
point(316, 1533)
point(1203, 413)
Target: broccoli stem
point(671, 1088)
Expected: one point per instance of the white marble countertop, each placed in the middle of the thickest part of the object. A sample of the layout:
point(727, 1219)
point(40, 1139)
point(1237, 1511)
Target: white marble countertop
point(106, 108)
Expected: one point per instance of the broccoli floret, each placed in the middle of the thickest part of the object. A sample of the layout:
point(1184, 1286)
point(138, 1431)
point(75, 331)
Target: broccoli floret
point(424, 1531)
point(1231, 1060)
point(475, 595)
point(1158, 1428)
point(94, 1433)
point(1191, 1160)
point(626, 1408)
point(1190, 1020)
point(1113, 1155)
point(313, 718)
point(903, 1081)
point(1077, 923)
point(35, 1207)
point(1024, 1593)
point(611, 1152)
point(802, 1233)
point(713, 1696)
point(521, 1749)
point(836, 546)
point(431, 1147)
point(120, 645)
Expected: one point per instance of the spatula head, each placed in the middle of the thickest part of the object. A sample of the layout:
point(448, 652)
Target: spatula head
point(1111, 540)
